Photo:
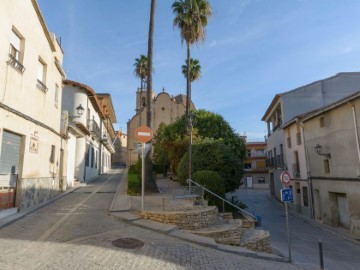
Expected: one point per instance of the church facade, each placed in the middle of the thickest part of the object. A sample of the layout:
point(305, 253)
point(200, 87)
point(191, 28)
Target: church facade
point(164, 109)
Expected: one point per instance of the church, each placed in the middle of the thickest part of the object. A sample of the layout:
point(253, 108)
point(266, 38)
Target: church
point(165, 108)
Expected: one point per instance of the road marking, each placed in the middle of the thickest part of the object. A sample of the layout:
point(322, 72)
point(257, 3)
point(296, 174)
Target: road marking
point(53, 228)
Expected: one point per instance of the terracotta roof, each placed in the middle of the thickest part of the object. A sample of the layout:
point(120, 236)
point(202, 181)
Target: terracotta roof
point(90, 93)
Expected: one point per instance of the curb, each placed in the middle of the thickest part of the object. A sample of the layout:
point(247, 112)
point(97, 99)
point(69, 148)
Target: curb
point(314, 223)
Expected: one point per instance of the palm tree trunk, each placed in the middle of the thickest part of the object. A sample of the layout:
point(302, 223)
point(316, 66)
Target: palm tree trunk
point(149, 183)
point(188, 84)
point(188, 102)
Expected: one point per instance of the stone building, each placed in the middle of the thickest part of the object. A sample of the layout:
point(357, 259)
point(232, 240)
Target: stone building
point(164, 109)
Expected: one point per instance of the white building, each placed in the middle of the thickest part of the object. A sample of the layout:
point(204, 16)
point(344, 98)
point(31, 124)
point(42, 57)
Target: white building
point(90, 132)
point(31, 144)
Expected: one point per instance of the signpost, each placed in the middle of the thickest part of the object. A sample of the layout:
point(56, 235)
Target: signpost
point(286, 196)
point(144, 134)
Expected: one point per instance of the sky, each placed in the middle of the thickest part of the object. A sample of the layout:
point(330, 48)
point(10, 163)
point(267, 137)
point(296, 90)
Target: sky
point(254, 49)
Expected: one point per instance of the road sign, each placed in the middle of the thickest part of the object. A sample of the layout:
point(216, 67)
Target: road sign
point(285, 178)
point(287, 195)
point(143, 134)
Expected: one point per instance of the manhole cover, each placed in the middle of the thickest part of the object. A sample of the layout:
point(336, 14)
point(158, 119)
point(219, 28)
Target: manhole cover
point(130, 243)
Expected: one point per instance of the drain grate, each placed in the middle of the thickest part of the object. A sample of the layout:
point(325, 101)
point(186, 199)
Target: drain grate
point(130, 243)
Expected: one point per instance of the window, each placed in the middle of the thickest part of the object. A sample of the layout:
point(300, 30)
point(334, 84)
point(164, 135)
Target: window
point(298, 135)
point(92, 157)
point(52, 155)
point(16, 55)
point(247, 166)
point(95, 159)
point(248, 153)
point(305, 196)
point(322, 122)
point(56, 100)
point(261, 180)
point(326, 166)
point(41, 76)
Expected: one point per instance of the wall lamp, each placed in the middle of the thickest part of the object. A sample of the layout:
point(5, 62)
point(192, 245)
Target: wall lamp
point(80, 111)
point(318, 150)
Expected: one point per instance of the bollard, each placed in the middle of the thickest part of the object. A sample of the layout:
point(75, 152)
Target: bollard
point(321, 255)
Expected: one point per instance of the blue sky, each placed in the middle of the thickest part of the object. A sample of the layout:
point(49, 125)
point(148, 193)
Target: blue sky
point(254, 49)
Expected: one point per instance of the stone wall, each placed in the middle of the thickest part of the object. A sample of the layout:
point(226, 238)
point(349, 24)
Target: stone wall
point(228, 235)
point(35, 191)
point(196, 218)
point(256, 240)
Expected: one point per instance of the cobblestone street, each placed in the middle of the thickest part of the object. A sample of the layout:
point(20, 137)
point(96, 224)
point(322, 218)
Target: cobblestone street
point(76, 232)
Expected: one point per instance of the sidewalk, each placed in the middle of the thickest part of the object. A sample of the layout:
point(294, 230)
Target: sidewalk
point(127, 208)
point(338, 231)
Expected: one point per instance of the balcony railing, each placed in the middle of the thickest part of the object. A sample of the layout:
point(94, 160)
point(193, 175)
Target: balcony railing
point(106, 140)
point(41, 86)
point(15, 63)
point(94, 128)
point(275, 162)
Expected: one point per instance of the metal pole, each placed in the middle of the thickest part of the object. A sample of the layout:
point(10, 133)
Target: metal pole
point(321, 255)
point(287, 229)
point(142, 176)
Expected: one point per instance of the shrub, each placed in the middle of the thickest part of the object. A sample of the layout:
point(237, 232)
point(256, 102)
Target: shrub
point(134, 184)
point(213, 155)
point(213, 182)
point(136, 168)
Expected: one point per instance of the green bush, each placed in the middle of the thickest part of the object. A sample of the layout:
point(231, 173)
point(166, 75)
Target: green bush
point(136, 168)
point(213, 182)
point(134, 183)
point(213, 155)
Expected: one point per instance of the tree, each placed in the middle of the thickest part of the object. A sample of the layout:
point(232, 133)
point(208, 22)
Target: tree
point(149, 181)
point(191, 17)
point(195, 69)
point(140, 71)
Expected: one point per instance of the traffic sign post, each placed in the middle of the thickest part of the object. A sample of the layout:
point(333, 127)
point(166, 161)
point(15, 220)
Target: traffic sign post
point(286, 196)
point(144, 134)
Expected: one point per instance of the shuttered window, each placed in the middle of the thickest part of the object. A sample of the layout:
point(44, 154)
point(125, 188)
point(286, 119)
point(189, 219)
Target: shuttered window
point(10, 153)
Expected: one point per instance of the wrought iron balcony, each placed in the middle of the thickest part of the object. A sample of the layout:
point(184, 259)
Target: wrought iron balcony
point(15, 63)
point(41, 86)
point(106, 140)
point(94, 128)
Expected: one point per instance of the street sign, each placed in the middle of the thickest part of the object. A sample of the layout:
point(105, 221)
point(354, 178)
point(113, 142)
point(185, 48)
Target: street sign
point(287, 195)
point(144, 134)
point(285, 178)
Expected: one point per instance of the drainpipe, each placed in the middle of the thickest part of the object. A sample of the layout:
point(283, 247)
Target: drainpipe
point(356, 130)
point(298, 121)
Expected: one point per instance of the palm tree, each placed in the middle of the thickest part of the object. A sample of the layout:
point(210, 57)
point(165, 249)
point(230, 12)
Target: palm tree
point(195, 70)
point(140, 71)
point(191, 17)
point(149, 184)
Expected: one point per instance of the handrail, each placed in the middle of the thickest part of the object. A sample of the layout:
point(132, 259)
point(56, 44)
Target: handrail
point(224, 200)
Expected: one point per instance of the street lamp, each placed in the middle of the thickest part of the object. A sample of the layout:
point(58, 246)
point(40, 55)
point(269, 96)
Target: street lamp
point(79, 110)
point(318, 150)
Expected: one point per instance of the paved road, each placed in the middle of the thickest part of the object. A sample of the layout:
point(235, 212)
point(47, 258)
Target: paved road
point(76, 231)
point(338, 252)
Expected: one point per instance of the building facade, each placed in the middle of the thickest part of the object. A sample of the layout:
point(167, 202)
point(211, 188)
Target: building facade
point(164, 109)
point(90, 131)
point(255, 170)
point(332, 143)
point(32, 156)
point(285, 106)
